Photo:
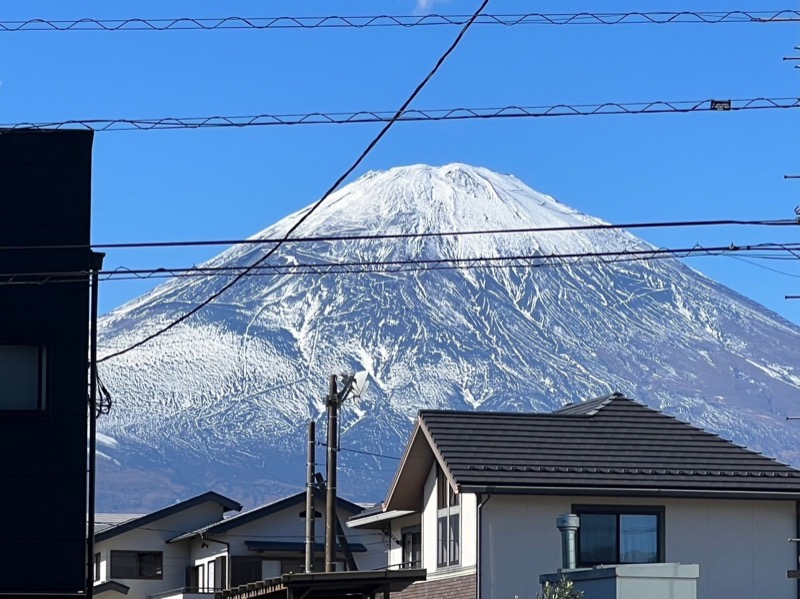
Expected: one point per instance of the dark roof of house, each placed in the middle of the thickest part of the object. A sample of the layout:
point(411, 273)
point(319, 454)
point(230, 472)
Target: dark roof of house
point(261, 512)
point(608, 444)
point(226, 503)
point(110, 586)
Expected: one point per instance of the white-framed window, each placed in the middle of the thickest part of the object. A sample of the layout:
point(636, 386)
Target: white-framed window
point(411, 539)
point(628, 534)
point(448, 523)
point(23, 370)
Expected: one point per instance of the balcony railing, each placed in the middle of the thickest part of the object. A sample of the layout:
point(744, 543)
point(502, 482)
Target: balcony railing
point(186, 593)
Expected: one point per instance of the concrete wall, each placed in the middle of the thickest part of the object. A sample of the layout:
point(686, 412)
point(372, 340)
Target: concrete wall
point(741, 547)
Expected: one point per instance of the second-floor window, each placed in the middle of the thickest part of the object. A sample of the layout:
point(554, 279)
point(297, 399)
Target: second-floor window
point(23, 369)
point(137, 564)
point(448, 535)
point(412, 547)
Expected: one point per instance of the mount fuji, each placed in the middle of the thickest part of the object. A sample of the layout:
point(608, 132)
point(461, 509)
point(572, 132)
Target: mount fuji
point(222, 401)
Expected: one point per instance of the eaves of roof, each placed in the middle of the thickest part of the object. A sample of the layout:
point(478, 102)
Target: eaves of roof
point(258, 513)
point(226, 503)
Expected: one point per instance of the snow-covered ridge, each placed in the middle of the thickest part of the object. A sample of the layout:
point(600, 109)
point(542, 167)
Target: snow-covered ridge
point(222, 400)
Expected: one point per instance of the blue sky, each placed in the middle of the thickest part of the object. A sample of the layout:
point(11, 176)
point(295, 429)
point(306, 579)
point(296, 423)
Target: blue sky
point(231, 183)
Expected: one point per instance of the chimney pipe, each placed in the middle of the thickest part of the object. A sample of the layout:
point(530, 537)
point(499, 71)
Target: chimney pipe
point(568, 525)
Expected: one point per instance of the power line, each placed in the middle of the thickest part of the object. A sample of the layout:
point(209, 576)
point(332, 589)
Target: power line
point(420, 235)
point(408, 116)
point(400, 21)
point(319, 202)
point(362, 452)
point(396, 266)
point(763, 251)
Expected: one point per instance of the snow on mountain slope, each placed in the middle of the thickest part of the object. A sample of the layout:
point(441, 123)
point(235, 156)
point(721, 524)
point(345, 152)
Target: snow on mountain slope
point(222, 401)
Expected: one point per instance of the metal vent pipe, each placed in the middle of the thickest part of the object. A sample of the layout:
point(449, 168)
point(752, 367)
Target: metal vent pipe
point(568, 525)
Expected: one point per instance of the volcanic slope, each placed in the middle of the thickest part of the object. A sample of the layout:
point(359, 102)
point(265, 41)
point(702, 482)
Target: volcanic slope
point(222, 401)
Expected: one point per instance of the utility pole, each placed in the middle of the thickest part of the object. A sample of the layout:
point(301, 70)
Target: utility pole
point(330, 498)
point(310, 489)
point(357, 385)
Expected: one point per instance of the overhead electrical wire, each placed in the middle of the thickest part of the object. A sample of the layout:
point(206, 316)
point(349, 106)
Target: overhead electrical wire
point(409, 116)
point(316, 205)
point(420, 235)
point(400, 21)
point(760, 251)
point(399, 266)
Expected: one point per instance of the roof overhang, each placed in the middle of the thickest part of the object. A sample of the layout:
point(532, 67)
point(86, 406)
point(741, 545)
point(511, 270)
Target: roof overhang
point(110, 586)
point(405, 493)
point(377, 520)
point(631, 492)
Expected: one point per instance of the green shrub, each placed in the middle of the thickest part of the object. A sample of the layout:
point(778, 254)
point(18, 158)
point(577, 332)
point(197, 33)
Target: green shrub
point(563, 589)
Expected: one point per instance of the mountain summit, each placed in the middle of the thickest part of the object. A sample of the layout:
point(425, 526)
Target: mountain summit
point(222, 400)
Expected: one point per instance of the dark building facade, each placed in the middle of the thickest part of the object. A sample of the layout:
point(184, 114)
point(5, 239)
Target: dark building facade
point(44, 336)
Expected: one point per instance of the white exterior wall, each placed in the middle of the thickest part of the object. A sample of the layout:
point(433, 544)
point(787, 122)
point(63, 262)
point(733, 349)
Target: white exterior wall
point(469, 531)
point(175, 560)
point(428, 524)
point(395, 551)
point(741, 547)
point(468, 521)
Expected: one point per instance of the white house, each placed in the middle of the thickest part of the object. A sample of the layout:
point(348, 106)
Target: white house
point(269, 541)
point(476, 496)
point(134, 559)
point(190, 550)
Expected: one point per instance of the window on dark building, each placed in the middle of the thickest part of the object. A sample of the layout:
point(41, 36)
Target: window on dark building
point(23, 372)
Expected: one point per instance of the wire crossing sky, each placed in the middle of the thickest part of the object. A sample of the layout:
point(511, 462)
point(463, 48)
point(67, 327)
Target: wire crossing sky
point(384, 20)
point(230, 182)
point(360, 158)
point(413, 115)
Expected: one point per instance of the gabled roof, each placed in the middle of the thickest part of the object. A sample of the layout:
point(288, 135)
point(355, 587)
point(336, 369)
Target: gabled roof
point(261, 512)
point(610, 444)
point(226, 503)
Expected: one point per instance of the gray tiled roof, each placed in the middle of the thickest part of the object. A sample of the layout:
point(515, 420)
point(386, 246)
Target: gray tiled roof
point(607, 443)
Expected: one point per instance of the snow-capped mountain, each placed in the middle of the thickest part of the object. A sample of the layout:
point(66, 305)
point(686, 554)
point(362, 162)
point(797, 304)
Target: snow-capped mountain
point(223, 400)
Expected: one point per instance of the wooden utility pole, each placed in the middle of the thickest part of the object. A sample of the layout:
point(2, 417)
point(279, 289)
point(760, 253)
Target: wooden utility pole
point(310, 532)
point(330, 497)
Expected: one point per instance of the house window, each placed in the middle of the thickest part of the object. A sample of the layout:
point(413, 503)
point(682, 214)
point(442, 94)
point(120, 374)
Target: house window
point(620, 535)
point(412, 547)
point(137, 564)
point(448, 532)
point(23, 372)
point(96, 566)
